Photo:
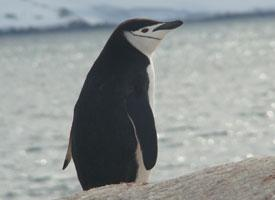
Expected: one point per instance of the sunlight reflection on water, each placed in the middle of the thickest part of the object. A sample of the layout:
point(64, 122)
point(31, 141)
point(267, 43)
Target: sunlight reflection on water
point(214, 101)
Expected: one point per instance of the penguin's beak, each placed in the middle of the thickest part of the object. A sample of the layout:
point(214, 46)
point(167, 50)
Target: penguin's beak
point(169, 25)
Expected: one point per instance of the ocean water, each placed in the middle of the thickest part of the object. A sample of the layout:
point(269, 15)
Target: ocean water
point(215, 101)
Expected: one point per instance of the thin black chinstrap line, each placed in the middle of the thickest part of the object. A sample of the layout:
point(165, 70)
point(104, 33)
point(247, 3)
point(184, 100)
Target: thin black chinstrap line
point(145, 36)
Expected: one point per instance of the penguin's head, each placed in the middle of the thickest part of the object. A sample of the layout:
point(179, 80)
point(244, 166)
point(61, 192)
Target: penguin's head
point(145, 34)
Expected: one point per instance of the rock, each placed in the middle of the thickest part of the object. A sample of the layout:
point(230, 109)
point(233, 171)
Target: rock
point(251, 179)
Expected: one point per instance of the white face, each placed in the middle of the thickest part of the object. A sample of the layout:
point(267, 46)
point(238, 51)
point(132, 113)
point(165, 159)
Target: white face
point(146, 39)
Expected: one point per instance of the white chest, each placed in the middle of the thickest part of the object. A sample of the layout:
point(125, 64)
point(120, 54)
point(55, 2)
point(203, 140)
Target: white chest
point(151, 91)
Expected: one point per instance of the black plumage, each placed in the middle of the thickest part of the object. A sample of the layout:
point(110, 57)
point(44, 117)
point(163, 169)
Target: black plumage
point(103, 141)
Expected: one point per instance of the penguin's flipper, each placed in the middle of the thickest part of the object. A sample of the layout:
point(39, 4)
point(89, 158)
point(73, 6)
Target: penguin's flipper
point(141, 115)
point(68, 154)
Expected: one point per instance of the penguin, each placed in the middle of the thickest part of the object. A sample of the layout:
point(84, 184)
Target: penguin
point(113, 137)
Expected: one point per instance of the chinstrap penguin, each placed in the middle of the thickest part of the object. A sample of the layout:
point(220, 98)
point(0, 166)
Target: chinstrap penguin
point(113, 136)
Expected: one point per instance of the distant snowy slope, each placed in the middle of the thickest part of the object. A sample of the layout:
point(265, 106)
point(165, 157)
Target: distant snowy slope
point(26, 15)
point(43, 14)
point(20, 14)
point(110, 14)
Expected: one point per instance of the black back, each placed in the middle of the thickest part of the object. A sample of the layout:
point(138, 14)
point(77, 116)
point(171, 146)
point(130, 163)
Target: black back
point(103, 138)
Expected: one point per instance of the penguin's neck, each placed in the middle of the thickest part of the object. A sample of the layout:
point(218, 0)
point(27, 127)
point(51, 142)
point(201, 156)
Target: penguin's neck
point(122, 54)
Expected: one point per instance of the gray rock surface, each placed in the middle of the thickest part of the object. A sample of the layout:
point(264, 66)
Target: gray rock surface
point(251, 179)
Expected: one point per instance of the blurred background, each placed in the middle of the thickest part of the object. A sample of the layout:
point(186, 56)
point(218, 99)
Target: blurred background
point(215, 98)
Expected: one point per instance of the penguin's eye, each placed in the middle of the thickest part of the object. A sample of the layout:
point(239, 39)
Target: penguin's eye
point(144, 30)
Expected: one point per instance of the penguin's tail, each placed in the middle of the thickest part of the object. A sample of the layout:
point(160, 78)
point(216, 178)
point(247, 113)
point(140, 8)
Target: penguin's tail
point(66, 162)
point(68, 154)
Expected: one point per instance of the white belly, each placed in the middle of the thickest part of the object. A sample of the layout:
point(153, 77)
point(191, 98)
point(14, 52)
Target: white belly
point(142, 173)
